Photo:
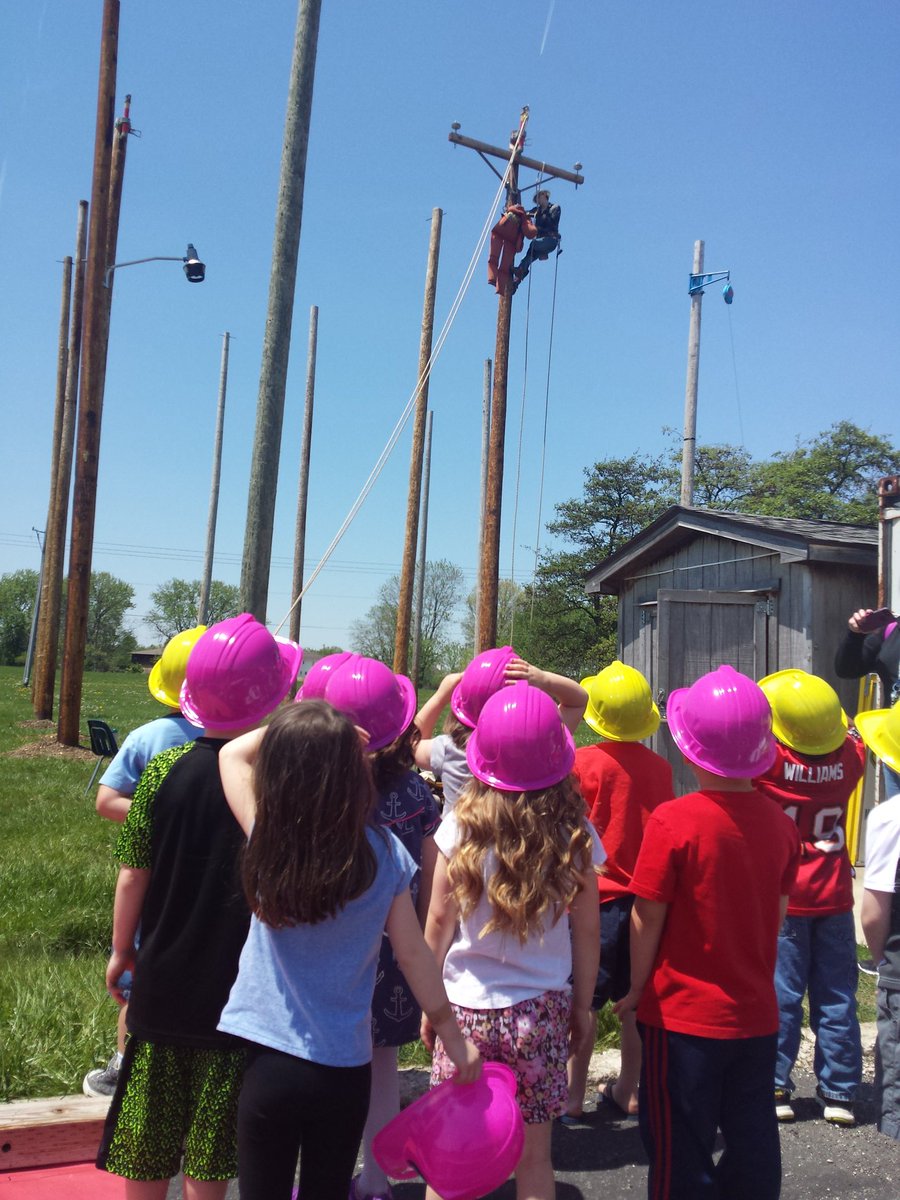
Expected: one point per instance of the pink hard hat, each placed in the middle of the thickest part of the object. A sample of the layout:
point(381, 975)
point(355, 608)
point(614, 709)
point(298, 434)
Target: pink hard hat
point(373, 697)
point(237, 674)
point(464, 1139)
point(482, 677)
point(723, 723)
point(519, 743)
point(318, 675)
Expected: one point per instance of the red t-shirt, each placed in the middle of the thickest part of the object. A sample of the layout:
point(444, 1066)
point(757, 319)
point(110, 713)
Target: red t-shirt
point(720, 861)
point(814, 792)
point(622, 783)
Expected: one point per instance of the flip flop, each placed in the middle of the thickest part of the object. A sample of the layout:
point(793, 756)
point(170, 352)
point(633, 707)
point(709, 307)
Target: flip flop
point(606, 1099)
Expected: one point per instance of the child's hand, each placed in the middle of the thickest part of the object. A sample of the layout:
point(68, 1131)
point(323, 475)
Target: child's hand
point(581, 1028)
point(467, 1061)
point(518, 668)
point(426, 1033)
point(118, 964)
point(628, 1003)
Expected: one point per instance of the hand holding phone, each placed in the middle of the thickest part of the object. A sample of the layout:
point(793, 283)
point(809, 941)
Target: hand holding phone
point(873, 619)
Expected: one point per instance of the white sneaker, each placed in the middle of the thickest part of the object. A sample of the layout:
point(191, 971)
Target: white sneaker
point(837, 1112)
point(102, 1081)
point(784, 1110)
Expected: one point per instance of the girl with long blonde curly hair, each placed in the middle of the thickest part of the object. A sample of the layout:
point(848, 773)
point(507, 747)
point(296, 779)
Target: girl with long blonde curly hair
point(513, 919)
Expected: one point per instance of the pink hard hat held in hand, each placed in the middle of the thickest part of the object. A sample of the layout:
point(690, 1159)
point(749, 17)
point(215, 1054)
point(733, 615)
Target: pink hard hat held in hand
point(484, 676)
point(519, 743)
point(463, 1139)
point(373, 697)
point(237, 673)
point(319, 673)
point(723, 724)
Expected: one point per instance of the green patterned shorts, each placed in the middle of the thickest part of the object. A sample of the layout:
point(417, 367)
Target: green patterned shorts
point(173, 1101)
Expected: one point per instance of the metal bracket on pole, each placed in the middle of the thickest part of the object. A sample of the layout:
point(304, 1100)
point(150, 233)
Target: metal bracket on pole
point(698, 282)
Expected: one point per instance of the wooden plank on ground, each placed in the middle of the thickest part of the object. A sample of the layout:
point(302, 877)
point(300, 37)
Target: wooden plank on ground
point(50, 1132)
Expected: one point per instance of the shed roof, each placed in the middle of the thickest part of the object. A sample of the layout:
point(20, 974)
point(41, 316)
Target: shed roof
point(793, 539)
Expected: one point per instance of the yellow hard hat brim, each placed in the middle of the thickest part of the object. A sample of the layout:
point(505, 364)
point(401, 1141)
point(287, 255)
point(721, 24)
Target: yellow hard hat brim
point(875, 729)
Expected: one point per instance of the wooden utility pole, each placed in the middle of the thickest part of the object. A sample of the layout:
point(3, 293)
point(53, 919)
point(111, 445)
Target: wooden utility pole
point(206, 581)
point(489, 570)
point(408, 566)
point(415, 670)
point(47, 641)
point(96, 328)
point(303, 482)
point(690, 389)
point(485, 443)
point(257, 556)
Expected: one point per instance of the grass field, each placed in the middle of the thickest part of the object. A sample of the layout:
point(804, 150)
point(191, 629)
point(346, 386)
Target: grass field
point(56, 888)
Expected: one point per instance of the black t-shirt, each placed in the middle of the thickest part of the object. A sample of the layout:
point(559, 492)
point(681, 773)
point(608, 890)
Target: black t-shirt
point(194, 919)
point(860, 653)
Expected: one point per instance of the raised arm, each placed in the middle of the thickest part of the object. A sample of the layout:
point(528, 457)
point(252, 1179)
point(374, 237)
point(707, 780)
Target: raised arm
point(569, 695)
point(427, 716)
point(236, 760)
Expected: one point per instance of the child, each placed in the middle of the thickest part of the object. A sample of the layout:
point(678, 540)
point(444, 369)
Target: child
point(816, 770)
point(119, 781)
point(445, 755)
point(515, 854)
point(378, 701)
point(323, 882)
point(711, 884)
point(881, 915)
point(622, 782)
point(179, 1081)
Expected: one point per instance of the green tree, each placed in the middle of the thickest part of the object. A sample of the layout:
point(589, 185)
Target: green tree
point(511, 608)
point(374, 634)
point(18, 591)
point(109, 644)
point(176, 602)
point(833, 477)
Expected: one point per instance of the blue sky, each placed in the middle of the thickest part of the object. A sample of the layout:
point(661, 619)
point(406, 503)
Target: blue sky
point(768, 130)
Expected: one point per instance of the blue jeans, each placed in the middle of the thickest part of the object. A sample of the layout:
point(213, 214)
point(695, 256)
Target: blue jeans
point(818, 955)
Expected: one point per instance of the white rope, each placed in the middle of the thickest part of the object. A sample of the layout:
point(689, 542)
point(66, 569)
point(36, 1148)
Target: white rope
point(404, 416)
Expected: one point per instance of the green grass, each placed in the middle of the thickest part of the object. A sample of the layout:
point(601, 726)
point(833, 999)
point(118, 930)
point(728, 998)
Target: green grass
point(56, 889)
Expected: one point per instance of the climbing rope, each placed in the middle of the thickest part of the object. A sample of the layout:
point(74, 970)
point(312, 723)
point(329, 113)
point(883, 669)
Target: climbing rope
point(537, 540)
point(410, 404)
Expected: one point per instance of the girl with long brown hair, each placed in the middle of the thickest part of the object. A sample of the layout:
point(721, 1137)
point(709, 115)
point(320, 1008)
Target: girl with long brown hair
point(322, 882)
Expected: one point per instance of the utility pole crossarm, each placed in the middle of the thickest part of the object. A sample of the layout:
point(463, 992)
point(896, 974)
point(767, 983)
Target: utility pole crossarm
point(507, 152)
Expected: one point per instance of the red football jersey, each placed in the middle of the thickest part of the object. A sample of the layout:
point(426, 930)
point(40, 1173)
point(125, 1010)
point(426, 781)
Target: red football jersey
point(622, 783)
point(814, 793)
point(721, 861)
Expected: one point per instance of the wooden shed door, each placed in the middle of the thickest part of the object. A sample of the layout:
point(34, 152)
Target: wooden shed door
point(699, 631)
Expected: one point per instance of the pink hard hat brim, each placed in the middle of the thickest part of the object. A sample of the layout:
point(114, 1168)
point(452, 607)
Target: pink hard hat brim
point(554, 774)
point(291, 657)
point(744, 763)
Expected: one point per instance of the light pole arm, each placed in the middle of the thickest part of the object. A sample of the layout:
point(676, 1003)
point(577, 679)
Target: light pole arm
point(134, 262)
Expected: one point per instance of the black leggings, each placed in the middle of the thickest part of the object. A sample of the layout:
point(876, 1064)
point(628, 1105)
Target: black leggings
point(289, 1106)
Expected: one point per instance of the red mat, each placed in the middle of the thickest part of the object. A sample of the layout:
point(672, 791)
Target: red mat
point(79, 1181)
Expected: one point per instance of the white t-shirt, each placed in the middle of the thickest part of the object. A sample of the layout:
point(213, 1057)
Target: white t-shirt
point(495, 970)
point(883, 846)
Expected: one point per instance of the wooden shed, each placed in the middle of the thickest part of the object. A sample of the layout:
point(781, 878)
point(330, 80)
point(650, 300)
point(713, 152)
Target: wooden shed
point(698, 588)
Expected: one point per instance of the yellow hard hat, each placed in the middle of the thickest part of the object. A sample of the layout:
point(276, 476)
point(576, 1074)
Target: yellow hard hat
point(879, 728)
point(620, 706)
point(167, 674)
point(806, 712)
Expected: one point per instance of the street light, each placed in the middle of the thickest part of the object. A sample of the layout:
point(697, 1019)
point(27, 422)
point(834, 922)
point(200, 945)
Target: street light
point(698, 281)
point(194, 269)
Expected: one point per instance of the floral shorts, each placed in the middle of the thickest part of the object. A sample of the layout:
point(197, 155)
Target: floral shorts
point(532, 1038)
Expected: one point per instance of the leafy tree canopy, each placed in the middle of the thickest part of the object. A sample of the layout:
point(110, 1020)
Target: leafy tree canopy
point(18, 591)
point(177, 601)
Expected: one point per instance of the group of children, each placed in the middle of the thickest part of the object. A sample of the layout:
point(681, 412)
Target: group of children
point(282, 875)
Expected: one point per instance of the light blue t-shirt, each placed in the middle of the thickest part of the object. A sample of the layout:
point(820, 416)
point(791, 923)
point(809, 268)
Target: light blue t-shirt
point(141, 745)
point(307, 989)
